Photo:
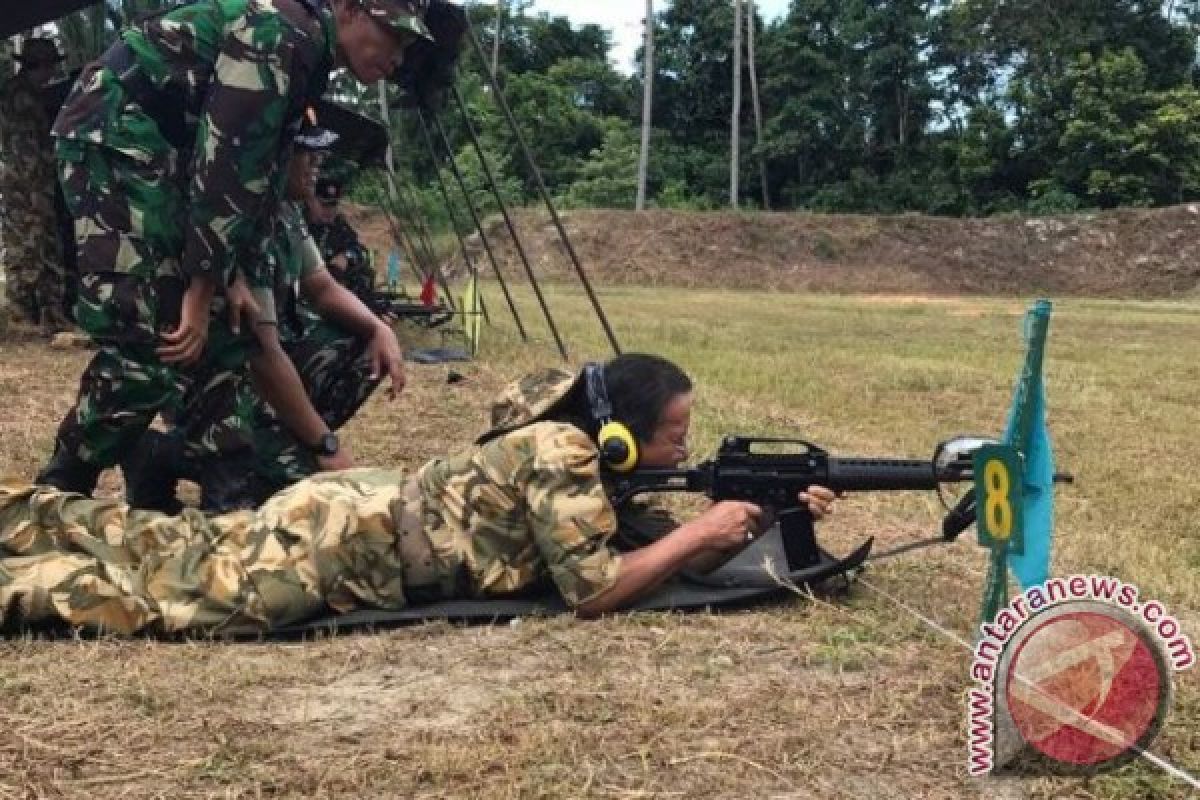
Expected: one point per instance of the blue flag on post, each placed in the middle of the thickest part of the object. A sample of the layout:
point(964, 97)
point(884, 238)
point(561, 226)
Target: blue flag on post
point(393, 268)
point(1026, 430)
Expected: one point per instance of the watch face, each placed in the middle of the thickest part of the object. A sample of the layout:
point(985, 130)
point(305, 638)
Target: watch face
point(328, 445)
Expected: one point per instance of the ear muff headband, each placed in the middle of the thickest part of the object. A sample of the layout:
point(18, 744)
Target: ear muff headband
point(618, 447)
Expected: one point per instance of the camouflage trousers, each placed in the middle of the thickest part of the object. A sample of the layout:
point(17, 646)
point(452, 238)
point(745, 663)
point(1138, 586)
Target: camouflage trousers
point(128, 237)
point(336, 372)
point(330, 543)
point(35, 275)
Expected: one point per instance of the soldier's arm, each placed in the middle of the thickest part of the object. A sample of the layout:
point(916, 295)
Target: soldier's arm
point(277, 382)
point(265, 63)
point(334, 301)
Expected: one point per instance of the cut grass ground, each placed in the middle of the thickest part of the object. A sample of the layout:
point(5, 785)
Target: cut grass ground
point(846, 697)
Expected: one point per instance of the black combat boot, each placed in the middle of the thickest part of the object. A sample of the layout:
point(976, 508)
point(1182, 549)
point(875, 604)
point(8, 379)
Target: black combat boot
point(229, 483)
point(151, 472)
point(68, 473)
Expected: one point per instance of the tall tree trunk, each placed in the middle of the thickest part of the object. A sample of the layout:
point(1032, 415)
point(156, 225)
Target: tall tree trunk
point(496, 40)
point(647, 106)
point(758, 123)
point(736, 116)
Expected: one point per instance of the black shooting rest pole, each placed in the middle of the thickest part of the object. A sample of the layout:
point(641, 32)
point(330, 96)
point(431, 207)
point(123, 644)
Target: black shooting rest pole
point(432, 265)
point(454, 217)
point(423, 232)
point(537, 174)
point(462, 243)
point(491, 179)
point(487, 246)
point(416, 259)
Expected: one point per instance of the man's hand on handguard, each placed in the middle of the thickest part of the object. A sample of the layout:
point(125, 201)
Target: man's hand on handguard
point(386, 359)
point(820, 501)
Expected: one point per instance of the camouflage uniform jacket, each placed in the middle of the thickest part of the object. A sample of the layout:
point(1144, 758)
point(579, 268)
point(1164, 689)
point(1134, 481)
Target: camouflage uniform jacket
point(233, 77)
point(337, 239)
point(288, 256)
point(526, 506)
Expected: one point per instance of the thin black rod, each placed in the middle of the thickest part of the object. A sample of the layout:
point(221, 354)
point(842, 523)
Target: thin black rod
point(537, 174)
point(414, 256)
point(409, 204)
point(487, 246)
point(462, 242)
point(491, 179)
point(418, 220)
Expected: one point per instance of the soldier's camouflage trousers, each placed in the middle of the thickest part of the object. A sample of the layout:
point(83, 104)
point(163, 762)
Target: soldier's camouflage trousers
point(128, 218)
point(96, 564)
point(35, 275)
point(336, 373)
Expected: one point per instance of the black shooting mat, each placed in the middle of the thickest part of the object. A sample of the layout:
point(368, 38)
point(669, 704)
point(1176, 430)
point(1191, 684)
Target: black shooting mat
point(754, 576)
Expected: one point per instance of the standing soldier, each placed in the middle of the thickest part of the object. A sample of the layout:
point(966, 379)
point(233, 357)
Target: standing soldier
point(36, 283)
point(172, 150)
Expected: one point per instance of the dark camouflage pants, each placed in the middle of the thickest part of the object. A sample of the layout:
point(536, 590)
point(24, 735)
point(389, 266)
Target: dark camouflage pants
point(128, 231)
point(36, 279)
point(335, 370)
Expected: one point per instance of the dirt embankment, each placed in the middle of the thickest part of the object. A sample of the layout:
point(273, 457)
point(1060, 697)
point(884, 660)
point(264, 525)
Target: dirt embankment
point(1128, 253)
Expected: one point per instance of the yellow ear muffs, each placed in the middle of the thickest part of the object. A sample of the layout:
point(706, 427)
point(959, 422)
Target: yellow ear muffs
point(618, 448)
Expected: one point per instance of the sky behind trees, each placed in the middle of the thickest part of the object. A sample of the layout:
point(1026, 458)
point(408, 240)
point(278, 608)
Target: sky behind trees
point(624, 19)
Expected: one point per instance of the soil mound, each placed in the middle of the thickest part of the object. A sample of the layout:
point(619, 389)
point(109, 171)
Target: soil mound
point(1144, 253)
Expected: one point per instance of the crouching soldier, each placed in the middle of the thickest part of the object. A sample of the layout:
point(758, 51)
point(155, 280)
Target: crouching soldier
point(322, 350)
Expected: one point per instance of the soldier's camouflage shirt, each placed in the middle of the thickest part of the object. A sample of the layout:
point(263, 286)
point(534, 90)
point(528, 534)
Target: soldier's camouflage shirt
point(244, 71)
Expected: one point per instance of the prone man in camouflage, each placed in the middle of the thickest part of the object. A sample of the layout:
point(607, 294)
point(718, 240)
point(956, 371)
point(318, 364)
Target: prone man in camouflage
point(340, 352)
point(172, 150)
point(35, 275)
point(525, 507)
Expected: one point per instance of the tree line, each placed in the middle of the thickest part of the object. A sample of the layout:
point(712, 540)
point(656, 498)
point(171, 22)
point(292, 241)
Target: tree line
point(953, 107)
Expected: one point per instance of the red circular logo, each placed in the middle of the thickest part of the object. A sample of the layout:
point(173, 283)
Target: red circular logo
point(1086, 685)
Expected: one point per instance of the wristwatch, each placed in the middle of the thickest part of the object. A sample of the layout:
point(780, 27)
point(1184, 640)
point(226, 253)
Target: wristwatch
point(327, 445)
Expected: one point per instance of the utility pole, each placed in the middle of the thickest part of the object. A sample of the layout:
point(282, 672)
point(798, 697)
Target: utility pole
point(735, 126)
point(758, 123)
point(647, 105)
point(496, 41)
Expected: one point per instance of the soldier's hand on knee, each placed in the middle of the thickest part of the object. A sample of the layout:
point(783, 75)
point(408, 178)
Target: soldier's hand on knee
point(387, 359)
point(185, 344)
point(242, 305)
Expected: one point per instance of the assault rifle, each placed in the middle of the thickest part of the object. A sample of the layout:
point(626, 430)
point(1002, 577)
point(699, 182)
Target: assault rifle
point(402, 308)
point(770, 472)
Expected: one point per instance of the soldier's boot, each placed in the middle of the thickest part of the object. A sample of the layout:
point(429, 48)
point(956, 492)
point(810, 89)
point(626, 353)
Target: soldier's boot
point(152, 471)
point(69, 473)
point(55, 321)
point(228, 483)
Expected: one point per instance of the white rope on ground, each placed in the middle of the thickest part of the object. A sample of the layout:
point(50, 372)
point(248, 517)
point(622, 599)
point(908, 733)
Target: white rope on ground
point(936, 626)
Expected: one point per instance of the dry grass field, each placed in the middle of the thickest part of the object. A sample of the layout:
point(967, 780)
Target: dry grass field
point(845, 696)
